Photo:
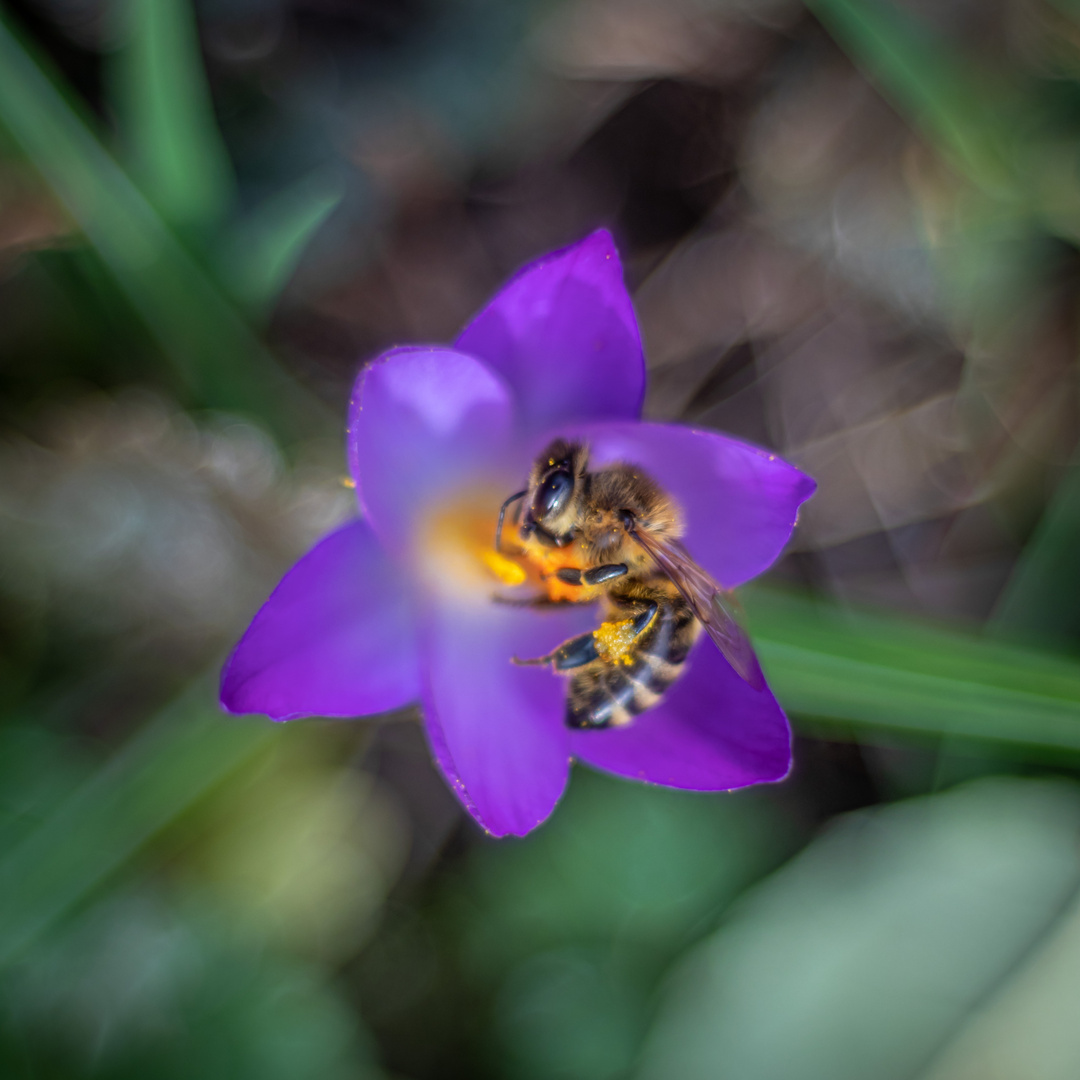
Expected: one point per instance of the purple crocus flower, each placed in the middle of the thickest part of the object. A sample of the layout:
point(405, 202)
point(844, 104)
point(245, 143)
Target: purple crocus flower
point(396, 606)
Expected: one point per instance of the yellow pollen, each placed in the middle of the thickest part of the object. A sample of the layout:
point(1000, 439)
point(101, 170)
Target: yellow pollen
point(614, 640)
point(506, 570)
point(456, 548)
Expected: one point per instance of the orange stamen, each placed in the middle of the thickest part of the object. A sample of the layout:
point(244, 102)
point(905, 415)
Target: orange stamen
point(457, 549)
point(506, 570)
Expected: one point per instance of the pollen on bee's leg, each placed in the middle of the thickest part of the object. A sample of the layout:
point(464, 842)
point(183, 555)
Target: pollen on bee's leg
point(614, 640)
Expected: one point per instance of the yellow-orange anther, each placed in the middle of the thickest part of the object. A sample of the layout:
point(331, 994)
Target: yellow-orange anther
point(456, 546)
point(506, 570)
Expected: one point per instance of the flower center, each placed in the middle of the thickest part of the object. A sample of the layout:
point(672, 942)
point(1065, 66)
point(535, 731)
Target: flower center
point(457, 554)
point(457, 548)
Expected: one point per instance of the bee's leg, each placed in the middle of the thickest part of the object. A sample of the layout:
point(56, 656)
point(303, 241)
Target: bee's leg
point(644, 610)
point(582, 649)
point(612, 632)
point(541, 602)
point(570, 654)
point(597, 575)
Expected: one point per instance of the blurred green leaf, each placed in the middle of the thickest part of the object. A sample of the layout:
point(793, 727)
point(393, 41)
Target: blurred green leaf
point(573, 925)
point(1040, 597)
point(865, 953)
point(961, 109)
point(37, 770)
point(570, 1014)
point(302, 849)
point(993, 133)
point(618, 861)
point(1068, 7)
point(1030, 1028)
point(874, 670)
point(260, 253)
point(167, 122)
point(993, 265)
point(171, 764)
point(219, 361)
point(142, 986)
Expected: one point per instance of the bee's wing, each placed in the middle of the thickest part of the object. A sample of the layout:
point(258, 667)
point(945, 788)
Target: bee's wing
point(714, 608)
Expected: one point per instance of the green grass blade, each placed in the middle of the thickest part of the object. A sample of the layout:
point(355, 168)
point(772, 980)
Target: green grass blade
point(1068, 7)
point(994, 133)
point(218, 361)
point(174, 761)
point(961, 110)
point(1042, 597)
point(878, 671)
point(168, 127)
point(260, 253)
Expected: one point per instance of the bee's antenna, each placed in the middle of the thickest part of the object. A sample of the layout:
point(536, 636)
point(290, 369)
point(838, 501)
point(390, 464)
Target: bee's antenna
point(502, 513)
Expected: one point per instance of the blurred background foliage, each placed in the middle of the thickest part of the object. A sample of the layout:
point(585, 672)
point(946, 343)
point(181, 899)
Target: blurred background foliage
point(852, 230)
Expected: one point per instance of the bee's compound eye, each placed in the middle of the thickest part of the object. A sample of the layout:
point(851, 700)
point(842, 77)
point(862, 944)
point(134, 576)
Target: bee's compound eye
point(554, 494)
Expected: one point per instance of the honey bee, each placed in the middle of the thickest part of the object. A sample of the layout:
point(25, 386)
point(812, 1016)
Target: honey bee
point(613, 535)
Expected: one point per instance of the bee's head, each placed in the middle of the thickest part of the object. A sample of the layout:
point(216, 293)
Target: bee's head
point(623, 500)
point(554, 496)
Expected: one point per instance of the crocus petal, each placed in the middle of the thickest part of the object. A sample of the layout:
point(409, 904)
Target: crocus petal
point(336, 638)
point(496, 728)
point(421, 422)
point(710, 732)
point(740, 502)
point(564, 336)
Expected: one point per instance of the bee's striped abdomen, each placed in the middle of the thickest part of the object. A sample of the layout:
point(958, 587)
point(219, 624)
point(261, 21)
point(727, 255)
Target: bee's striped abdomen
point(608, 694)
